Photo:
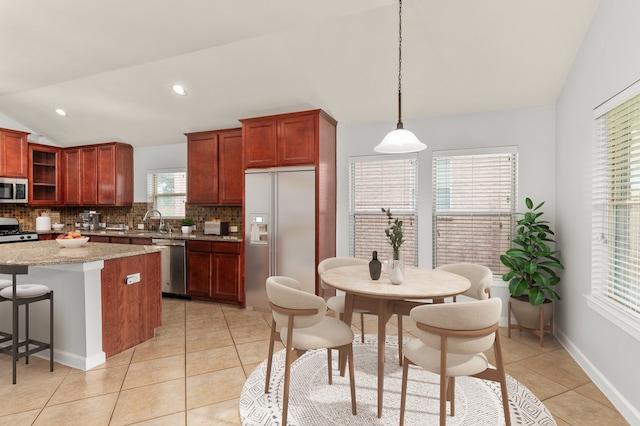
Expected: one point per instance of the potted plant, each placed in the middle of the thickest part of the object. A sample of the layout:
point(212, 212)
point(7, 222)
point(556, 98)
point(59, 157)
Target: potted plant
point(395, 237)
point(532, 271)
point(187, 225)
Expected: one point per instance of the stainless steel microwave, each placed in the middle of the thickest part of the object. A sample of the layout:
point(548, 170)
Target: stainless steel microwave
point(13, 190)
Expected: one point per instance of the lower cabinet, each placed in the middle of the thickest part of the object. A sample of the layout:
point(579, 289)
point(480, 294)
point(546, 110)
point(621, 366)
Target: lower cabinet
point(213, 271)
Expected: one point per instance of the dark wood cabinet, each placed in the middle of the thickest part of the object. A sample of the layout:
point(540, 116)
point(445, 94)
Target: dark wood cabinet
point(45, 181)
point(213, 271)
point(71, 176)
point(214, 168)
point(13, 154)
point(98, 175)
point(285, 140)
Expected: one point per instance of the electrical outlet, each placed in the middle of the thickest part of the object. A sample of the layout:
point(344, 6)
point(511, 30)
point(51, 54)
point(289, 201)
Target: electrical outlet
point(132, 278)
point(233, 229)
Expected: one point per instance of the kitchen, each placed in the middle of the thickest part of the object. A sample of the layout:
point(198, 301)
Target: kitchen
point(559, 124)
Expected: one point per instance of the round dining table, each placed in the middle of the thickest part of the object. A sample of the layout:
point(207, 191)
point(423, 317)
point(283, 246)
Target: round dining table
point(381, 297)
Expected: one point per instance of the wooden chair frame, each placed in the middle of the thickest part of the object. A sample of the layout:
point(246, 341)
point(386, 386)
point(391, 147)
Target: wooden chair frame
point(291, 356)
point(447, 384)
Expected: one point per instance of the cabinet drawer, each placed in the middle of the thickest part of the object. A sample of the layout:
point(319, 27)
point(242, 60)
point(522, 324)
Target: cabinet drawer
point(204, 246)
point(233, 248)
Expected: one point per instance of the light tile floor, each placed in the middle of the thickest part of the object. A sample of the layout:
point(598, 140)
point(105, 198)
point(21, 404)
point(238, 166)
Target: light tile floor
point(192, 373)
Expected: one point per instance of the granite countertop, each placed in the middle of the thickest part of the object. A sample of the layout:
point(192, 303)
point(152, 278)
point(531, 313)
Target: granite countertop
point(37, 253)
point(150, 234)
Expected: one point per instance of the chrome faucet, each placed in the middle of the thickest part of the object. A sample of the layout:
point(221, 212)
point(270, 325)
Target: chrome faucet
point(161, 227)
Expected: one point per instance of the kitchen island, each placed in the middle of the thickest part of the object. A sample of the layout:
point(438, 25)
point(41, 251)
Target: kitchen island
point(102, 306)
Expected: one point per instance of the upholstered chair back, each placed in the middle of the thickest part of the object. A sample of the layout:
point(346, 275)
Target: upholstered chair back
point(475, 315)
point(286, 292)
point(479, 275)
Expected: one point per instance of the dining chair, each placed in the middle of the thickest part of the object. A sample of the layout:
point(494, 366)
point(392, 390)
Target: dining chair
point(304, 326)
point(452, 338)
point(336, 303)
point(480, 276)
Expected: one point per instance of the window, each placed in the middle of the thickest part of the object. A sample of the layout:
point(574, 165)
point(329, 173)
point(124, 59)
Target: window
point(167, 191)
point(474, 200)
point(616, 206)
point(378, 182)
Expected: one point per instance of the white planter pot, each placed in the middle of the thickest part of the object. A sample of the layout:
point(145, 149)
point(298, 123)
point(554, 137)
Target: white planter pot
point(528, 316)
point(186, 229)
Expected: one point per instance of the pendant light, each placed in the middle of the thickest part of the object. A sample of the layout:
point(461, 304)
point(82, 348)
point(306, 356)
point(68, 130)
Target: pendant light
point(400, 140)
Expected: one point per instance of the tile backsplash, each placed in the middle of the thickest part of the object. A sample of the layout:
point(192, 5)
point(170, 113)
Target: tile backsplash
point(130, 216)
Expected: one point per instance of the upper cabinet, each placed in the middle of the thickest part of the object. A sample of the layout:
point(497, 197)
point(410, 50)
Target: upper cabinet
point(13, 154)
point(214, 168)
point(45, 183)
point(293, 139)
point(98, 175)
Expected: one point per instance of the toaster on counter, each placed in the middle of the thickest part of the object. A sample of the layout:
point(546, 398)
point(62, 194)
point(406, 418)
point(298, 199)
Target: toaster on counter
point(216, 228)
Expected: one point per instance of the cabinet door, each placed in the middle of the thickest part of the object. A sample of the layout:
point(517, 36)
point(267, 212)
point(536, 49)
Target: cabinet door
point(71, 176)
point(89, 176)
point(13, 154)
point(259, 138)
point(202, 169)
point(296, 140)
point(230, 172)
point(44, 175)
point(106, 175)
point(199, 274)
point(226, 280)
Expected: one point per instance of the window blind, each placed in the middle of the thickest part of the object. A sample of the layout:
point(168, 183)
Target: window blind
point(378, 182)
point(616, 202)
point(167, 191)
point(474, 200)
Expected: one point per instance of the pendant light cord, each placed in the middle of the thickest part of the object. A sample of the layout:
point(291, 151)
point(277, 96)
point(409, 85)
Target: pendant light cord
point(400, 126)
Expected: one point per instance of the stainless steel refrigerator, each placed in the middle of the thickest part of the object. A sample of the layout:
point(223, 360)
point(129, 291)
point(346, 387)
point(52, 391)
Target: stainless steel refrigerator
point(280, 229)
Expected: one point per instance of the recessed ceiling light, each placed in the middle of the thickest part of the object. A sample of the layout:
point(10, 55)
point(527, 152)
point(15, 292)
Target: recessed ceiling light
point(61, 112)
point(179, 90)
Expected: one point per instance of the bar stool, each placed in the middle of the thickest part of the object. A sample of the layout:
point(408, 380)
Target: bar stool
point(25, 294)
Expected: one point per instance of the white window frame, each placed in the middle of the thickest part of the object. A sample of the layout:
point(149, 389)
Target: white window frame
point(603, 296)
point(153, 195)
point(380, 198)
point(500, 213)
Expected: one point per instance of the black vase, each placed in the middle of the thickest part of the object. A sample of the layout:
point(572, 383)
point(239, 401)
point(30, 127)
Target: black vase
point(375, 267)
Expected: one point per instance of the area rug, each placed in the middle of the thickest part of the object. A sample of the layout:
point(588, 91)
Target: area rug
point(312, 401)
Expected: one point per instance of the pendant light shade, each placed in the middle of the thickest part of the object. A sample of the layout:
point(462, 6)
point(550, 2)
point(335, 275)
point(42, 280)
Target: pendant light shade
point(400, 140)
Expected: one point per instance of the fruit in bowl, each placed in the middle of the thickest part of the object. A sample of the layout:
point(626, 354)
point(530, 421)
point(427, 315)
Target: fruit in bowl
point(71, 239)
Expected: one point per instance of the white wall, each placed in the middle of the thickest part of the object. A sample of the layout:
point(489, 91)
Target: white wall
point(531, 130)
point(606, 64)
point(155, 157)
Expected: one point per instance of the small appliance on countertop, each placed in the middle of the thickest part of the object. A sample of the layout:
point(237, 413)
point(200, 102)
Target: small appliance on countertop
point(216, 228)
point(10, 231)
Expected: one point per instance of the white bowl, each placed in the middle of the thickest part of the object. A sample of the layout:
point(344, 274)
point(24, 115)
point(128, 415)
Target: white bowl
point(57, 226)
point(72, 243)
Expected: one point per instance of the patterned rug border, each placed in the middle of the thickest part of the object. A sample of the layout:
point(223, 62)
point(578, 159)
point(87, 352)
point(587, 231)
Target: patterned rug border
point(260, 409)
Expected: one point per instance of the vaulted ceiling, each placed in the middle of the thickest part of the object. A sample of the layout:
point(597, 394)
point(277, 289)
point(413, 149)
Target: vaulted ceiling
point(111, 64)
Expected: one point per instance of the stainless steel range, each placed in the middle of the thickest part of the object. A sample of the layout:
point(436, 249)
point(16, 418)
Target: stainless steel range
point(10, 231)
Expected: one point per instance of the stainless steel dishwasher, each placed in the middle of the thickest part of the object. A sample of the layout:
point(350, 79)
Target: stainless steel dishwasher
point(174, 283)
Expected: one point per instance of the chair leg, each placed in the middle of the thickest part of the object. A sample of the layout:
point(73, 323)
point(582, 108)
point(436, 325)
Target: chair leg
point(270, 357)
point(451, 395)
point(362, 327)
point(352, 380)
point(287, 374)
point(400, 340)
point(443, 399)
point(403, 393)
point(26, 332)
point(51, 331)
point(329, 368)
